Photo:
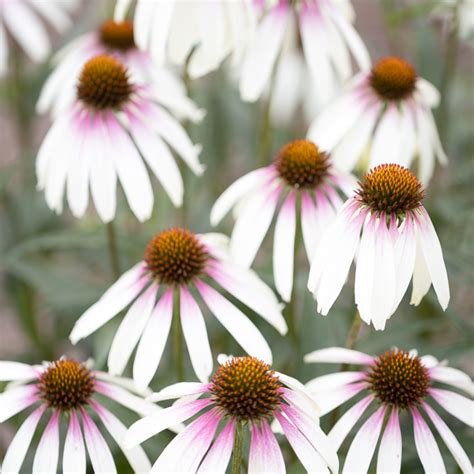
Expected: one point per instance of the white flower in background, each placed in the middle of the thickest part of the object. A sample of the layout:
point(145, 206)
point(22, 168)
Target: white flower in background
point(172, 29)
point(327, 37)
point(384, 116)
point(392, 384)
point(67, 390)
point(111, 129)
point(398, 242)
point(301, 173)
point(244, 391)
point(23, 20)
point(115, 39)
point(457, 11)
point(177, 260)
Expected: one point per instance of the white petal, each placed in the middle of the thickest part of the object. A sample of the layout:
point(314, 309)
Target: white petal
point(247, 287)
point(284, 247)
point(453, 377)
point(451, 442)
point(195, 335)
point(433, 254)
point(363, 446)
point(99, 452)
point(265, 454)
point(178, 390)
point(341, 429)
point(159, 26)
point(421, 277)
point(218, 457)
point(236, 191)
point(121, 8)
point(136, 456)
point(47, 452)
point(159, 159)
point(339, 355)
point(20, 443)
point(252, 224)
point(160, 420)
point(130, 330)
point(109, 305)
point(459, 406)
point(3, 51)
point(309, 224)
point(54, 14)
point(16, 399)
point(131, 171)
point(428, 91)
point(262, 53)
point(74, 456)
point(407, 134)
point(331, 381)
point(153, 341)
point(426, 446)
point(389, 458)
point(10, 371)
point(426, 152)
point(331, 399)
point(240, 327)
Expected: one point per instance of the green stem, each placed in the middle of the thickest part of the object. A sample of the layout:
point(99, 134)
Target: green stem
point(237, 449)
point(113, 251)
point(178, 337)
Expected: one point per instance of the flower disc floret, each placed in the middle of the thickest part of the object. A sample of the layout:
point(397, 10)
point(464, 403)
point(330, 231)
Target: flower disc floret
point(103, 83)
point(391, 189)
point(301, 164)
point(117, 35)
point(246, 388)
point(393, 78)
point(175, 256)
point(66, 385)
point(399, 379)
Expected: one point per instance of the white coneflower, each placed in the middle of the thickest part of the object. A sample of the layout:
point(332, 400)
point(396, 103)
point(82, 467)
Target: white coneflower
point(327, 37)
point(68, 389)
point(23, 20)
point(113, 127)
point(301, 172)
point(172, 30)
point(398, 242)
point(392, 384)
point(178, 260)
point(244, 391)
point(386, 113)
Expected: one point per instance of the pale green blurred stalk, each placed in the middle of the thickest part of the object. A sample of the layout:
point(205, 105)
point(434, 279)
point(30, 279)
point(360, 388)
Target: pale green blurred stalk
point(237, 449)
point(113, 250)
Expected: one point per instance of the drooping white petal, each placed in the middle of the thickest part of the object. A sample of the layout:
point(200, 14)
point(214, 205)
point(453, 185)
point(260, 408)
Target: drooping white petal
point(16, 399)
point(218, 457)
point(453, 377)
point(160, 420)
point(426, 153)
point(3, 51)
point(136, 456)
point(240, 327)
point(99, 452)
point(262, 53)
point(457, 405)
point(407, 135)
point(237, 190)
point(335, 380)
point(426, 446)
point(74, 456)
point(344, 425)
point(121, 8)
point(363, 445)
point(10, 371)
point(130, 330)
point(339, 355)
point(451, 442)
point(265, 454)
point(421, 276)
point(47, 452)
point(195, 335)
point(20, 443)
point(153, 341)
point(309, 224)
point(252, 224)
point(284, 247)
point(389, 458)
point(428, 92)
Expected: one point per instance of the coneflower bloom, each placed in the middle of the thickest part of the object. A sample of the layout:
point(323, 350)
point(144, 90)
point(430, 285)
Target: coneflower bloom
point(243, 391)
point(386, 226)
point(327, 37)
point(116, 39)
point(67, 389)
point(178, 260)
point(391, 384)
point(383, 116)
point(112, 128)
point(301, 172)
point(23, 21)
point(198, 34)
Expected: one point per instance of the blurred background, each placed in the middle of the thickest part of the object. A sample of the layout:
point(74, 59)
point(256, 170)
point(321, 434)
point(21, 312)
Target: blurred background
point(53, 267)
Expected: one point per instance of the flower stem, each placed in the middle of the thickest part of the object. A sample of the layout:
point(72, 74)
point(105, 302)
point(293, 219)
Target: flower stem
point(113, 252)
point(237, 449)
point(178, 337)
